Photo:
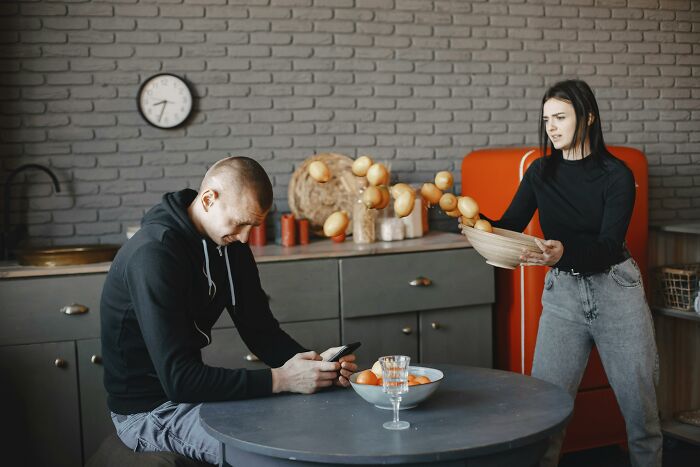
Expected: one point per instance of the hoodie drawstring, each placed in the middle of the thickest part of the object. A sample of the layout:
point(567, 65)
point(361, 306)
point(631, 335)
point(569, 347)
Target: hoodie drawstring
point(208, 273)
point(230, 279)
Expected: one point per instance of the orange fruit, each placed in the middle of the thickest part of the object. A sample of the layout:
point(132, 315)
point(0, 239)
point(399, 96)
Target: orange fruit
point(380, 382)
point(422, 379)
point(366, 377)
point(413, 383)
point(411, 377)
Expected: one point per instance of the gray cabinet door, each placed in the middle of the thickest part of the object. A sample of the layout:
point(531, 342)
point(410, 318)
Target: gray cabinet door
point(227, 349)
point(94, 414)
point(39, 392)
point(382, 335)
point(461, 336)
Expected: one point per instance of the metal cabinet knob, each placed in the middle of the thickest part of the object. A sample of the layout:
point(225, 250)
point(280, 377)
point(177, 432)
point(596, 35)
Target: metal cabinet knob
point(251, 358)
point(60, 363)
point(435, 325)
point(420, 281)
point(96, 359)
point(74, 309)
point(407, 330)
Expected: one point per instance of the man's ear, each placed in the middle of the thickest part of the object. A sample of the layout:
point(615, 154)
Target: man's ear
point(208, 198)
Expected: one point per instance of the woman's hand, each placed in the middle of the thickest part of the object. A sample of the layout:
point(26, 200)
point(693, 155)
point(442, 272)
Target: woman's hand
point(552, 250)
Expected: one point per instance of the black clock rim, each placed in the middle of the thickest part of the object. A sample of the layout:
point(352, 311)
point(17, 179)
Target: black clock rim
point(143, 116)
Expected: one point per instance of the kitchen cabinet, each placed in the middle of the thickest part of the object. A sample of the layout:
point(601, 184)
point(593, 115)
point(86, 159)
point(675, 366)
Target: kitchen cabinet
point(95, 419)
point(433, 306)
point(41, 416)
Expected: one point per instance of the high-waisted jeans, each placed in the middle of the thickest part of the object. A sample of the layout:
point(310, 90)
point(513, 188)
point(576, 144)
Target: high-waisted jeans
point(608, 309)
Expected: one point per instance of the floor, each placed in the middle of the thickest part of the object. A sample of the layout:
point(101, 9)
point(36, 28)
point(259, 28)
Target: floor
point(676, 454)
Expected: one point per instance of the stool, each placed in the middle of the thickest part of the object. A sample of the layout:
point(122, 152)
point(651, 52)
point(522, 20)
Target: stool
point(113, 453)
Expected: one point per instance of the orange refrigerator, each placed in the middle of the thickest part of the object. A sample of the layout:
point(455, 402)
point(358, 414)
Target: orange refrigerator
point(491, 177)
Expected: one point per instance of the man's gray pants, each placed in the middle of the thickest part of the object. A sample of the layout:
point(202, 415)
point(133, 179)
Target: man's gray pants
point(169, 427)
point(610, 310)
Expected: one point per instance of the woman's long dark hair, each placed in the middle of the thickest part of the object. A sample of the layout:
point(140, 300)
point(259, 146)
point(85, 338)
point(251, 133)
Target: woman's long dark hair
point(579, 94)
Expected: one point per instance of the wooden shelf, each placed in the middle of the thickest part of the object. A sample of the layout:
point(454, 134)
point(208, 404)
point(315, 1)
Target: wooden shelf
point(681, 431)
point(690, 315)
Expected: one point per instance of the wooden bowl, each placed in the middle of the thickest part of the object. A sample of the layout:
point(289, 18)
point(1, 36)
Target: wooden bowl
point(502, 248)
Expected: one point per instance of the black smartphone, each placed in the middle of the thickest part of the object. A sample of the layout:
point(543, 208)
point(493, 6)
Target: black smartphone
point(345, 350)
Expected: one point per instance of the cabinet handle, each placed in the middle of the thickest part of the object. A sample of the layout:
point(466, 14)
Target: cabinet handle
point(74, 309)
point(407, 330)
point(96, 359)
point(435, 325)
point(251, 358)
point(420, 281)
point(60, 363)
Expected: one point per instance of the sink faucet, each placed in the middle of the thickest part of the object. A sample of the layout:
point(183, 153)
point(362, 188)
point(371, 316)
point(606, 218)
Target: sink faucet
point(6, 234)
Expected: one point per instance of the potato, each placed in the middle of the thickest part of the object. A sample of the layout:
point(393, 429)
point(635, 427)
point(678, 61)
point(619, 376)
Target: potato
point(483, 224)
point(372, 197)
point(403, 206)
point(469, 221)
point(431, 193)
point(361, 165)
point(467, 206)
point(444, 180)
point(399, 188)
point(336, 224)
point(377, 174)
point(386, 197)
point(448, 202)
point(319, 171)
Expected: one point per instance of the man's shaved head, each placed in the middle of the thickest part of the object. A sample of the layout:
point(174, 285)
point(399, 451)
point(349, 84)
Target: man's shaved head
point(235, 175)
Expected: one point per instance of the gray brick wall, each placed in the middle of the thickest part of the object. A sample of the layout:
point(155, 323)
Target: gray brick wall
point(419, 83)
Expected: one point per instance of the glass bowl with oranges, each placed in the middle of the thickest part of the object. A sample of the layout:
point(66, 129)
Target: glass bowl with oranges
point(422, 383)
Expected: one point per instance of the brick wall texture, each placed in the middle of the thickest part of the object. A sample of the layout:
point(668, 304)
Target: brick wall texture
point(418, 83)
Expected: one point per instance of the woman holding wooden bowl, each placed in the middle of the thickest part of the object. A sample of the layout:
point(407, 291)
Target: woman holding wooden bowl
point(593, 293)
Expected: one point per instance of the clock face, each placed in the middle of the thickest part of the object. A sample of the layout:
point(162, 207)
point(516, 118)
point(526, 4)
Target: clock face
point(165, 101)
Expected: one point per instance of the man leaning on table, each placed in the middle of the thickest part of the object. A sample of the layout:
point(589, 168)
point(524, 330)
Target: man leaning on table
point(167, 287)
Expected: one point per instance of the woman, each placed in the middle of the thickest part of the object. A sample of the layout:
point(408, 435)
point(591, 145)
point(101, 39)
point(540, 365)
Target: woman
point(593, 294)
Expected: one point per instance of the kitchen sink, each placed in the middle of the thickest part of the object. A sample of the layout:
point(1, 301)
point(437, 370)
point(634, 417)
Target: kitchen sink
point(66, 255)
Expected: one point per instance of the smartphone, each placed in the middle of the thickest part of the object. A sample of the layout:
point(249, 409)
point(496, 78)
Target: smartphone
point(345, 350)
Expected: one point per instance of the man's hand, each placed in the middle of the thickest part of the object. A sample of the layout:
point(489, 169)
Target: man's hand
point(552, 250)
point(347, 366)
point(304, 373)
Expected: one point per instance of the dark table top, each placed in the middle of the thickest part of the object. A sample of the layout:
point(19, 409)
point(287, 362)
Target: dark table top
point(474, 412)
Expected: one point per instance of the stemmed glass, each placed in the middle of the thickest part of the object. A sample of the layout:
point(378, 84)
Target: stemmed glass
point(395, 383)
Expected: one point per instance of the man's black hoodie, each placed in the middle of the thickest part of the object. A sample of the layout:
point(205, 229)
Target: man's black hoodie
point(165, 290)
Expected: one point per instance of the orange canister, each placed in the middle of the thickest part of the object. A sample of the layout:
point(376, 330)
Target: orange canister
point(303, 231)
point(288, 230)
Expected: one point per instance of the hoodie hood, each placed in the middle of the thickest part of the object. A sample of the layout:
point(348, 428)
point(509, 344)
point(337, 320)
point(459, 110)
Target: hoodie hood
point(172, 213)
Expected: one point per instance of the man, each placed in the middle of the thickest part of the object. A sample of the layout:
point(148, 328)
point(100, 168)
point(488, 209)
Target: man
point(165, 290)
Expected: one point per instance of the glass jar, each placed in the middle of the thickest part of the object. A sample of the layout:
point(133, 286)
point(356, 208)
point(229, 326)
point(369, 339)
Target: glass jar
point(363, 220)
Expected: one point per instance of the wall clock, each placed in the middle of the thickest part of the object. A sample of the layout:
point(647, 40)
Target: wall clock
point(165, 100)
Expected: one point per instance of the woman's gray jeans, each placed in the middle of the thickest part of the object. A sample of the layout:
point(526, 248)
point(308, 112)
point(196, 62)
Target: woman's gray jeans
point(610, 310)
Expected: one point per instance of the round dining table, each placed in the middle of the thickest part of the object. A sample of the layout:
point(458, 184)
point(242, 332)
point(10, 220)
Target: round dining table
point(477, 417)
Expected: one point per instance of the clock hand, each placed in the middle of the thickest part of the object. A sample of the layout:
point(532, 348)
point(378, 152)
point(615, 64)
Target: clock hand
point(162, 110)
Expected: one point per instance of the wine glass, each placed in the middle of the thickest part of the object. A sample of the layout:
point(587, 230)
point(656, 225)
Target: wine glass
point(395, 383)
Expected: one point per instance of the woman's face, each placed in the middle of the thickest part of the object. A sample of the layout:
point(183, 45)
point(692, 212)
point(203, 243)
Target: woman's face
point(560, 123)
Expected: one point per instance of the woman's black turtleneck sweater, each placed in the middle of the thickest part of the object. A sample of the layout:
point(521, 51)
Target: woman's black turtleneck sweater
point(585, 204)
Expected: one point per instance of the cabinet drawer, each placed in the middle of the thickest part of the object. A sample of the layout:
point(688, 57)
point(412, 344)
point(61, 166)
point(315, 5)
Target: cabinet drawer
point(377, 285)
point(227, 349)
point(301, 290)
point(31, 308)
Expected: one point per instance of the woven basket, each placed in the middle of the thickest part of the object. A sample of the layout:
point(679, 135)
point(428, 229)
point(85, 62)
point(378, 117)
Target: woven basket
point(679, 285)
point(309, 199)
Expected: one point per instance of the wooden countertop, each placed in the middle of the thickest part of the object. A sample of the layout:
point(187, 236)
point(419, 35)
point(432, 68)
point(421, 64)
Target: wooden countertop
point(273, 253)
